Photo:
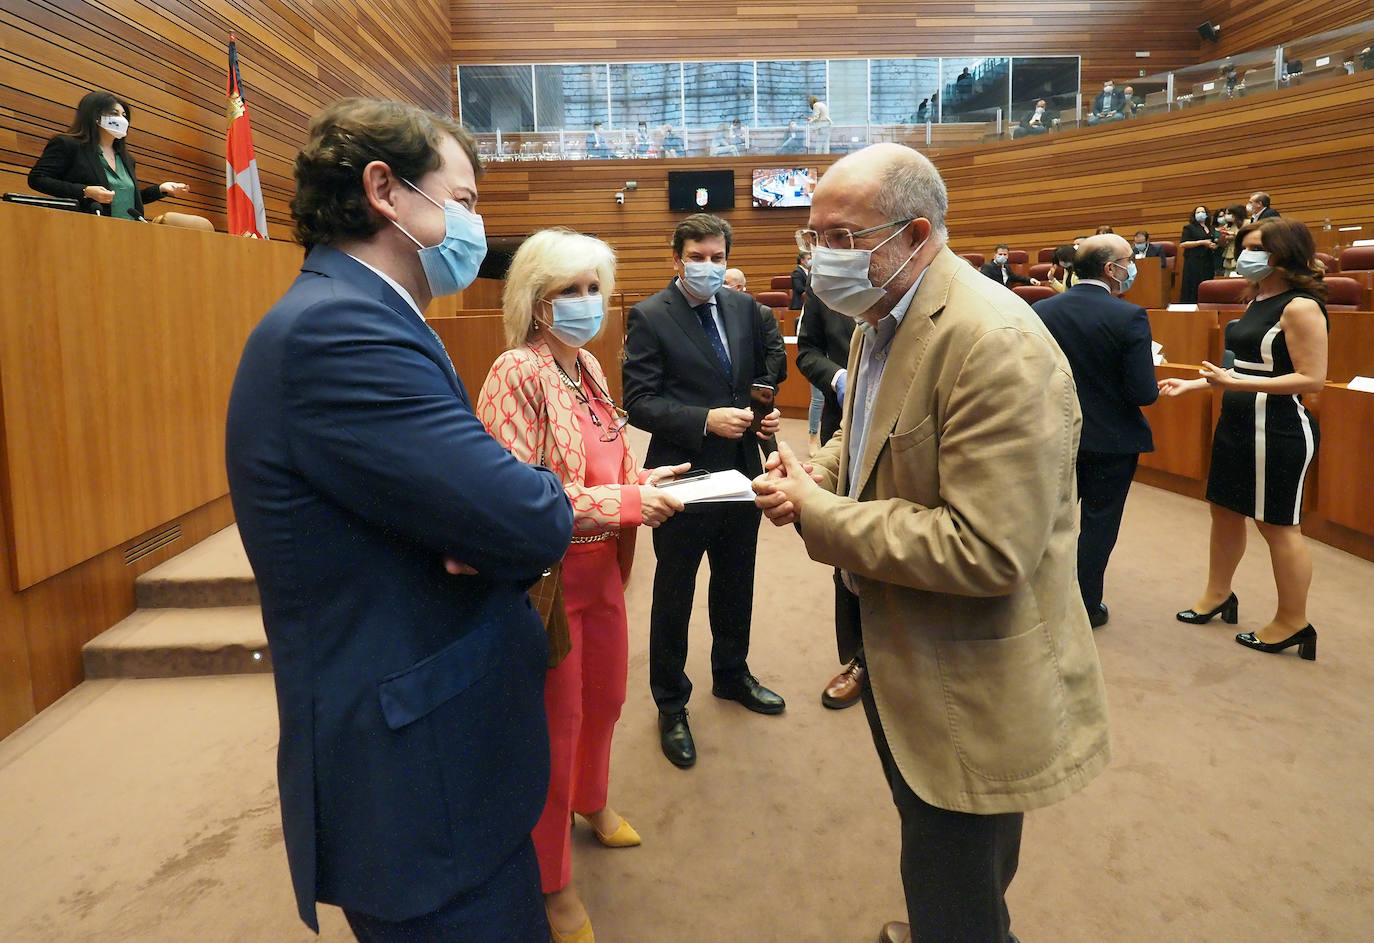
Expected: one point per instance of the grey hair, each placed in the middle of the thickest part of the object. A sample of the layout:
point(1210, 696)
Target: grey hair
point(914, 188)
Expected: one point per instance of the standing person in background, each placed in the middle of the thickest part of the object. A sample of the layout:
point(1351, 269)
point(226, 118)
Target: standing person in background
point(392, 540)
point(1265, 437)
point(1198, 241)
point(923, 111)
point(91, 162)
point(546, 399)
point(801, 278)
point(1259, 207)
point(692, 351)
point(821, 126)
point(1232, 218)
point(1107, 343)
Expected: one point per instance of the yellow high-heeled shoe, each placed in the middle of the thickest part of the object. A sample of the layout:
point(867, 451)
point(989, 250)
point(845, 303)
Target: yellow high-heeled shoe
point(582, 934)
point(623, 837)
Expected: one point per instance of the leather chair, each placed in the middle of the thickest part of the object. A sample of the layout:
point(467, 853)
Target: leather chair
point(781, 283)
point(1033, 293)
point(1039, 271)
point(974, 258)
point(1018, 260)
point(1332, 265)
point(1046, 255)
point(1170, 252)
point(1223, 294)
point(1357, 262)
point(777, 300)
point(1345, 294)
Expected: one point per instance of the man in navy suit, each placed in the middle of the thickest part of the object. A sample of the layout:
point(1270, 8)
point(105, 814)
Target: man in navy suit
point(1107, 343)
point(692, 352)
point(393, 540)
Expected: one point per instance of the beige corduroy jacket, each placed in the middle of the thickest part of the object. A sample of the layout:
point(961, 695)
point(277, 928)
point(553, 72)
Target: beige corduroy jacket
point(963, 547)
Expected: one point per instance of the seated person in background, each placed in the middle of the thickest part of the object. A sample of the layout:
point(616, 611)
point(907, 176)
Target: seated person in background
point(1110, 105)
point(91, 162)
point(1130, 107)
point(999, 271)
point(643, 140)
point(598, 145)
point(1104, 230)
point(1036, 122)
point(794, 141)
point(739, 137)
point(672, 141)
point(734, 278)
point(1061, 268)
point(1143, 248)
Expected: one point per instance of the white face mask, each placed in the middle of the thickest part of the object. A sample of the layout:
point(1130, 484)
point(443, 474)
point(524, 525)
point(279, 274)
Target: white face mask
point(703, 279)
point(1200, 217)
point(839, 277)
point(118, 125)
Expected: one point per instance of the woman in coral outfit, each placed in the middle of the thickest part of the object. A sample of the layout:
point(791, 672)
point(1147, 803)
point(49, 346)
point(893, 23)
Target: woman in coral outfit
point(546, 399)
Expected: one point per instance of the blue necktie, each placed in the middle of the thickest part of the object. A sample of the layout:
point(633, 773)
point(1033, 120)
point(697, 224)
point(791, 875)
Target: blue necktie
point(708, 325)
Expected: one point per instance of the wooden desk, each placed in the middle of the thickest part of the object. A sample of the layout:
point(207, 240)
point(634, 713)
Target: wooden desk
point(1150, 288)
point(1347, 463)
point(1182, 429)
point(1187, 336)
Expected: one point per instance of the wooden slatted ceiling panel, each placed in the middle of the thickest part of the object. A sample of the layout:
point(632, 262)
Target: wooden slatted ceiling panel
point(169, 60)
point(1106, 33)
point(1142, 174)
point(1255, 24)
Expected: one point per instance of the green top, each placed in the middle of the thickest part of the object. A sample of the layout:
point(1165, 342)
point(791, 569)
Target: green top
point(123, 186)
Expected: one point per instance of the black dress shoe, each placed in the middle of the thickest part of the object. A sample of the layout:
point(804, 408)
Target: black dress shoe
point(1305, 638)
point(751, 694)
point(676, 738)
point(1228, 610)
point(1097, 617)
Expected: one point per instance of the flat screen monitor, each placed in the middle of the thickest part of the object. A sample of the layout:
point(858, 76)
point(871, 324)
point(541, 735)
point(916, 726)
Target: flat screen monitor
point(693, 191)
point(784, 186)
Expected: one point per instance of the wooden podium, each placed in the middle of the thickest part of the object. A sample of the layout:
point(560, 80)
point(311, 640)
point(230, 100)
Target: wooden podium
point(1151, 286)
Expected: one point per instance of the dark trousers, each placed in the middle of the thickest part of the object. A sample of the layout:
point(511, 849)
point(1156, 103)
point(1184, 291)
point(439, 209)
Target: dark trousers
point(1104, 480)
point(508, 908)
point(956, 867)
point(727, 535)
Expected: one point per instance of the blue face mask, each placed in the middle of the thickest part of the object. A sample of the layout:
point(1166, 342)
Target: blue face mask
point(1130, 277)
point(452, 265)
point(703, 279)
point(576, 320)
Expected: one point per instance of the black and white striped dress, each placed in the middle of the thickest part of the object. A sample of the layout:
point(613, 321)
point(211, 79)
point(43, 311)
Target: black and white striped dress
point(1264, 442)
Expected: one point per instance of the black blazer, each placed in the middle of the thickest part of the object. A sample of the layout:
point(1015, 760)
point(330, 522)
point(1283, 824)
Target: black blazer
point(1267, 213)
point(997, 272)
point(1152, 251)
point(823, 351)
point(1107, 343)
point(672, 376)
point(1102, 106)
point(801, 280)
point(67, 167)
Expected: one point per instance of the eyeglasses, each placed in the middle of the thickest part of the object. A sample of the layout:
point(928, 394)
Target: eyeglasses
point(808, 239)
point(621, 420)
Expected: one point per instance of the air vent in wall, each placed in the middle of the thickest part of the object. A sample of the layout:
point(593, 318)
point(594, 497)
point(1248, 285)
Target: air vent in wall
point(150, 543)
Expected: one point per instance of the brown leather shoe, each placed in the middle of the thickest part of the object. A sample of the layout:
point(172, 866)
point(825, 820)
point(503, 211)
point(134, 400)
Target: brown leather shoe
point(843, 689)
point(895, 932)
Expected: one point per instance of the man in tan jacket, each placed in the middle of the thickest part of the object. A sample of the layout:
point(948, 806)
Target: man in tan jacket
point(947, 504)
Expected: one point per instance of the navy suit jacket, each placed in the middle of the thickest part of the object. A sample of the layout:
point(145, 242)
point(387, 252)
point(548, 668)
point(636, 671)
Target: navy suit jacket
point(413, 758)
point(673, 377)
point(1107, 343)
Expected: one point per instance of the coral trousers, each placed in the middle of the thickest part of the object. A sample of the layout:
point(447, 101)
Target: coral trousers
point(583, 697)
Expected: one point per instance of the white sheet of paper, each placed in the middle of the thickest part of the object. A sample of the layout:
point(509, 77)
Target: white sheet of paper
point(729, 485)
point(1158, 349)
point(1178, 306)
point(1363, 384)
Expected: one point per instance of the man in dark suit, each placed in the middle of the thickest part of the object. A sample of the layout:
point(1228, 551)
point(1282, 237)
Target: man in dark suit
point(1143, 248)
point(393, 540)
point(822, 357)
point(1259, 207)
point(691, 353)
point(999, 269)
point(1109, 105)
point(1107, 343)
point(801, 279)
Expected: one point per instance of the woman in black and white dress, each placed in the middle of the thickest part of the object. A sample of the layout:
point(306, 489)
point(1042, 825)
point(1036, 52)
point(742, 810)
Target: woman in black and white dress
point(1265, 438)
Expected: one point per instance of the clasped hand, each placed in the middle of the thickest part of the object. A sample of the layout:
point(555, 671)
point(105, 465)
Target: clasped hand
point(785, 485)
point(731, 423)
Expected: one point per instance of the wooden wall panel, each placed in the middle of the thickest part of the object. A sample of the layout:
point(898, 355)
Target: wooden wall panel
point(116, 381)
point(1253, 24)
point(169, 60)
point(1106, 33)
point(1033, 193)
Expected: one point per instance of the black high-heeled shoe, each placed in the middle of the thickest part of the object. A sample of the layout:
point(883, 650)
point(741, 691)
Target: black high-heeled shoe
point(1229, 612)
point(1305, 638)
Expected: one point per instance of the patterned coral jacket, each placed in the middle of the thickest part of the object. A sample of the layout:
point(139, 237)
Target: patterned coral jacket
point(527, 408)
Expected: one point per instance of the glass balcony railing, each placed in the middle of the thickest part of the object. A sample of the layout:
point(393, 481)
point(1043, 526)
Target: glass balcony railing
point(641, 110)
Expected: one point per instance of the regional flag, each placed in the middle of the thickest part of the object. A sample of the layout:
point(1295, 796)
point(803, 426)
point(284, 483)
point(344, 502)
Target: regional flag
point(247, 213)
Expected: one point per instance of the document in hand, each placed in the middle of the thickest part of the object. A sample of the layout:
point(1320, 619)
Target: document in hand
point(727, 485)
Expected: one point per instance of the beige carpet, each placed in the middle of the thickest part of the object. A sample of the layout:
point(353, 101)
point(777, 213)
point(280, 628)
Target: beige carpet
point(1237, 806)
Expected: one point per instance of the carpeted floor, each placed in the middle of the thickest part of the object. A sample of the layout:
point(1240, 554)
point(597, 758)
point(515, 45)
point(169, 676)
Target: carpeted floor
point(1236, 806)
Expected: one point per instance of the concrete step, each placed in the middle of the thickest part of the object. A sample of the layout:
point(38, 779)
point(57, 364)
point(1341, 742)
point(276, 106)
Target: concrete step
point(176, 643)
point(215, 572)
